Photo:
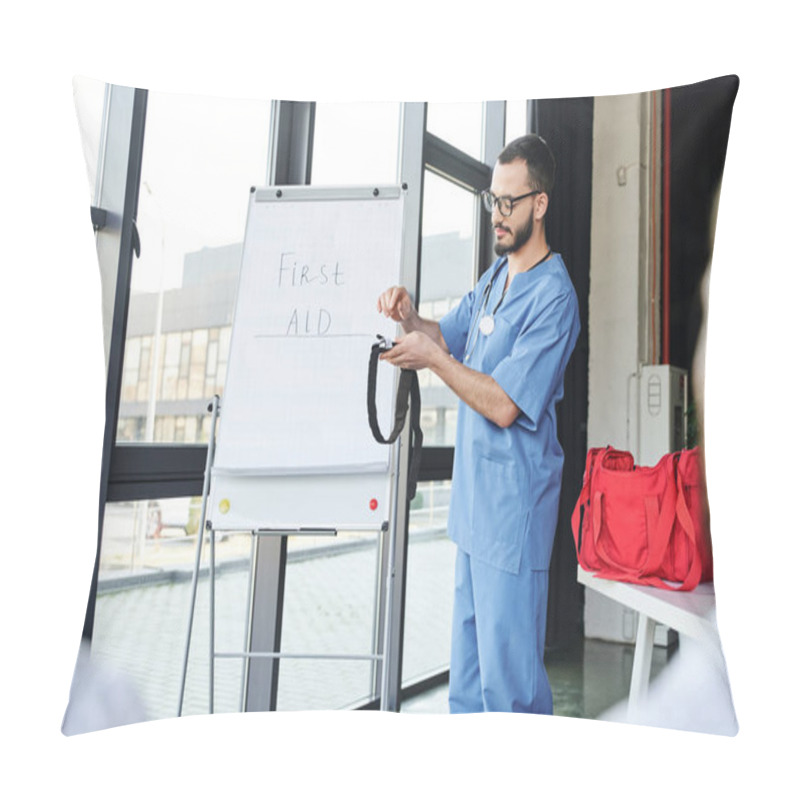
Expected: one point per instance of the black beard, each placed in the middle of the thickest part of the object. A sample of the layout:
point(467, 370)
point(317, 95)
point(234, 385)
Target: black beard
point(520, 239)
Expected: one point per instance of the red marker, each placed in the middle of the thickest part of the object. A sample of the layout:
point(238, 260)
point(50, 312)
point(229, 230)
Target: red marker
point(373, 504)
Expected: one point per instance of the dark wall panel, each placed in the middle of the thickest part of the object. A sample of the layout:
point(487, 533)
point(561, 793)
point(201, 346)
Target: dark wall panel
point(566, 125)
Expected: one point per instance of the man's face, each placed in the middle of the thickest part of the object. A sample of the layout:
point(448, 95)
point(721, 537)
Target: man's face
point(513, 231)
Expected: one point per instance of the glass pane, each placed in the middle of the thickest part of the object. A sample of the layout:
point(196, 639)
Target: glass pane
point(447, 273)
point(516, 119)
point(329, 609)
point(201, 156)
point(143, 602)
point(355, 143)
point(459, 124)
point(429, 591)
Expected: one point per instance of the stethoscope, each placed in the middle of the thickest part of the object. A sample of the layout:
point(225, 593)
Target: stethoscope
point(486, 321)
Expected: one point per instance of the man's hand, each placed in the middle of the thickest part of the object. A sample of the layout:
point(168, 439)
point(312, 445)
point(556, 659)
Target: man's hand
point(396, 304)
point(423, 347)
point(413, 351)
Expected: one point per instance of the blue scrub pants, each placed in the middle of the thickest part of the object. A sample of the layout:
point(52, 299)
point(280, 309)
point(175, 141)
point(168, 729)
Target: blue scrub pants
point(497, 655)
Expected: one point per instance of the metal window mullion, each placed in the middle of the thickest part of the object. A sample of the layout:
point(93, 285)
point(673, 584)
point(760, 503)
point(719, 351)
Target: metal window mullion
point(453, 164)
point(119, 323)
point(532, 116)
point(412, 171)
point(494, 130)
point(291, 147)
point(147, 471)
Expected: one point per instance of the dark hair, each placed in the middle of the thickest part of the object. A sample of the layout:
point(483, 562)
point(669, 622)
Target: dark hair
point(533, 150)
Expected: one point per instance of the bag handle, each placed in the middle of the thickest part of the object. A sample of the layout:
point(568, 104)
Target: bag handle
point(599, 540)
point(660, 533)
point(407, 389)
point(620, 572)
point(580, 505)
point(593, 458)
point(685, 518)
point(681, 513)
point(597, 523)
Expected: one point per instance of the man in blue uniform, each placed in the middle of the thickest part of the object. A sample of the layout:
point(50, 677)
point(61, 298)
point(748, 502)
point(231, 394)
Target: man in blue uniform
point(503, 350)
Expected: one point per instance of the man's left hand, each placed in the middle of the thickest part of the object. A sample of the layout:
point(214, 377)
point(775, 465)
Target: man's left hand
point(413, 351)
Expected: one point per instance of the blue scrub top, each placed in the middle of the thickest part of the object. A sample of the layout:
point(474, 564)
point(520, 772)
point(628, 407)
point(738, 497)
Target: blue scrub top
point(506, 481)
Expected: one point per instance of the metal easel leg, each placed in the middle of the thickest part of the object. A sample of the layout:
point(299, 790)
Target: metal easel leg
point(387, 623)
point(211, 654)
point(248, 624)
point(214, 409)
point(390, 570)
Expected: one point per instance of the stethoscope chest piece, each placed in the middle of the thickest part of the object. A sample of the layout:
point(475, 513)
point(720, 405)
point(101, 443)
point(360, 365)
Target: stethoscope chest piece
point(486, 325)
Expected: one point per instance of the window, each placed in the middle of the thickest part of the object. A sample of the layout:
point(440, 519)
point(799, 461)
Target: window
point(355, 143)
point(201, 156)
point(329, 608)
point(447, 273)
point(199, 159)
point(460, 124)
point(516, 119)
point(143, 600)
point(429, 594)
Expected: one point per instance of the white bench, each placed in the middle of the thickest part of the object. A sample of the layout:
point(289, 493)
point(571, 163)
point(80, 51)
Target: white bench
point(688, 613)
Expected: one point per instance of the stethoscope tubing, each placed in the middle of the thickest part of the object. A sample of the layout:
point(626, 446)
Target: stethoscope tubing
point(474, 324)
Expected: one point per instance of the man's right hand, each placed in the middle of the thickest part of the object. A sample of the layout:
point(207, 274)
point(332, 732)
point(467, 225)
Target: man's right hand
point(396, 304)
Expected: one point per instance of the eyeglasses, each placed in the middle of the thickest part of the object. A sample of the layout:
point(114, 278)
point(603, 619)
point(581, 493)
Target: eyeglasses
point(505, 205)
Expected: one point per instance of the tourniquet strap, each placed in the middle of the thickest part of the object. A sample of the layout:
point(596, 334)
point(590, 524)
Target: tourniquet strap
point(407, 393)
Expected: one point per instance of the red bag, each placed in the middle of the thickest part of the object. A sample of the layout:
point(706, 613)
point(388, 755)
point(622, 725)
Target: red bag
point(643, 525)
